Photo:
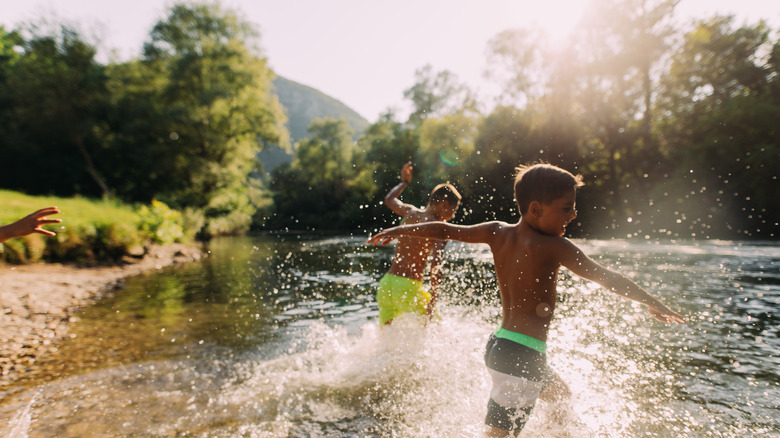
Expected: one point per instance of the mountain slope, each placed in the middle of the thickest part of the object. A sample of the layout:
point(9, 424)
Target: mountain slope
point(303, 104)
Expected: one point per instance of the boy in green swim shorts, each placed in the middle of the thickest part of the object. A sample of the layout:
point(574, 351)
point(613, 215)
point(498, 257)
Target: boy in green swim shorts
point(527, 256)
point(401, 289)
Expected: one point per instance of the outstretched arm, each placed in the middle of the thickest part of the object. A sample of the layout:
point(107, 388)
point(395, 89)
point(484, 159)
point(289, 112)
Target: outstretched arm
point(392, 201)
point(479, 233)
point(30, 224)
point(582, 265)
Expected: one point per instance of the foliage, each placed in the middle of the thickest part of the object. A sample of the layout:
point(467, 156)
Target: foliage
point(57, 97)
point(91, 231)
point(218, 102)
point(720, 90)
point(673, 128)
point(182, 125)
point(162, 224)
point(435, 95)
point(327, 182)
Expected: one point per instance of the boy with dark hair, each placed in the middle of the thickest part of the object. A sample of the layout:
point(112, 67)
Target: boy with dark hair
point(401, 290)
point(527, 256)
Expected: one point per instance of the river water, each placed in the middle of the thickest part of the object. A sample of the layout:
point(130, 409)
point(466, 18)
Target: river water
point(278, 337)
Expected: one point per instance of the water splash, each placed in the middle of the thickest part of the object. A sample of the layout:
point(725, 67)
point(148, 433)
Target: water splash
point(323, 374)
point(19, 426)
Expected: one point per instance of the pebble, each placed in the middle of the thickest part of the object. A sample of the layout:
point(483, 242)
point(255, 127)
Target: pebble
point(38, 302)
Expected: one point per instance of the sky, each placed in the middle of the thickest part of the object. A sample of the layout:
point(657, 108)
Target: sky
point(361, 52)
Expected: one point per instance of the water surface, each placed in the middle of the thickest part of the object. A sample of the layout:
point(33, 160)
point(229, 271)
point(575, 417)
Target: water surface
point(277, 337)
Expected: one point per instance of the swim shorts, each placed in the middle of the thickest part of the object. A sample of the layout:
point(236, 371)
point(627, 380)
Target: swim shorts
point(517, 364)
point(398, 295)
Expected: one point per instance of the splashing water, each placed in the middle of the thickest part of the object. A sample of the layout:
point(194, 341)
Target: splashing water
point(325, 368)
point(405, 380)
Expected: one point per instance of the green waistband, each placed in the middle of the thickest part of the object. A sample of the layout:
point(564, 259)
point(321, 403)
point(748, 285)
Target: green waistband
point(400, 279)
point(532, 343)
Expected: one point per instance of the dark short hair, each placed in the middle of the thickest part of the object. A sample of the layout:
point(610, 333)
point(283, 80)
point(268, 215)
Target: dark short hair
point(544, 183)
point(444, 193)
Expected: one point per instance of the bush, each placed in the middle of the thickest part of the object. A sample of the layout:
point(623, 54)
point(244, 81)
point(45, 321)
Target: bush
point(93, 230)
point(162, 224)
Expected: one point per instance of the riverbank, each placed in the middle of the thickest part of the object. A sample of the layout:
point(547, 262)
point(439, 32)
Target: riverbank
point(37, 302)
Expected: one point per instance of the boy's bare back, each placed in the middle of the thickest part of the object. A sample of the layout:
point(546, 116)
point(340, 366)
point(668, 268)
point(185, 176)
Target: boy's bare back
point(527, 271)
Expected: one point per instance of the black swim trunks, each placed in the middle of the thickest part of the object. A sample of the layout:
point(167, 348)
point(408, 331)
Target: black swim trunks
point(519, 373)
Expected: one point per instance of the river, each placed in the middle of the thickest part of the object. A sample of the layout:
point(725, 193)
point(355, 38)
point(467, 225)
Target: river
point(278, 337)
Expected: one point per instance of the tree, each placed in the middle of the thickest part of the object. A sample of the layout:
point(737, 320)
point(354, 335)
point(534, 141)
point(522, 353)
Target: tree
point(142, 144)
point(626, 40)
point(219, 109)
point(521, 61)
point(57, 92)
point(10, 43)
point(503, 141)
point(327, 184)
point(436, 95)
point(721, 125)
point(446, 143)
point(388, 145)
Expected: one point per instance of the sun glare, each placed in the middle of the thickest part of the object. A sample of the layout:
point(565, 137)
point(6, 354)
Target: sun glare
point(557, 17)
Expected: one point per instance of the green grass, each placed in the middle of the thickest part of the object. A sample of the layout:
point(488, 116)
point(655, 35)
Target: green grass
point(76, 212)
point(92, 231)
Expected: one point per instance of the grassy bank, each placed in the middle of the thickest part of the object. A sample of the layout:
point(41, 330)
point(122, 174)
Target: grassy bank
point(92, 231)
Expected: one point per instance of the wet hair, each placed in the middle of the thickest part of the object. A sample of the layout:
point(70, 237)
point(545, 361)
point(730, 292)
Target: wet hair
point(444, 193)
point(544, 183)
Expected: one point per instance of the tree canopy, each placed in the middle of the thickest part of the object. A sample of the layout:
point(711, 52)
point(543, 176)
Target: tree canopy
point(672, 126)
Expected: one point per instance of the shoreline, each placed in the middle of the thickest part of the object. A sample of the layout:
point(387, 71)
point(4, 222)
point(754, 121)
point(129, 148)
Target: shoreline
point(38, 301)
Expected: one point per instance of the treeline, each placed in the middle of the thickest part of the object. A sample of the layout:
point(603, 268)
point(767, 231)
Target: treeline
point(672, 125)
point(674, 128)
point(181, 125)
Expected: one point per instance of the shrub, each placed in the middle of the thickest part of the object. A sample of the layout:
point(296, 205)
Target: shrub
point(162, 224)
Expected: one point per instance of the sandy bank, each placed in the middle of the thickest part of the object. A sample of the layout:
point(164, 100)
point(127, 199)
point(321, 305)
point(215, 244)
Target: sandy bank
point(37, 302)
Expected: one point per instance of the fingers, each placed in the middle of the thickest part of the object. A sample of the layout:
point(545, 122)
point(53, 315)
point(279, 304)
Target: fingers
point(46, 211)
point(45, 220)
point(381, 239)
point(674, 317)
point(373, 240)
point(667, 315)
point(39, 219)
point(40, 216)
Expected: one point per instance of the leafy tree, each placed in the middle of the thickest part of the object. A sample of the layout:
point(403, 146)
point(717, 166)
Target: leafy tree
point(445, 144)
point(621, 45)
point(721, 125)
point(10, 42)
point(436, 95)
point(327, 184)
point(388, 145)
point(219, 108)
point(142, 144)
point(521, 61)
point(502, 142)
point(57, 98)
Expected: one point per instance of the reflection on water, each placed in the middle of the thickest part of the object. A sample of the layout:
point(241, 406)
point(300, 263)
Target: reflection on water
point(275, 337)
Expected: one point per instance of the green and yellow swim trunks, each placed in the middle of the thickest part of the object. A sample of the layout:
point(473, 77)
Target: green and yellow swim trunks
point(398, 295)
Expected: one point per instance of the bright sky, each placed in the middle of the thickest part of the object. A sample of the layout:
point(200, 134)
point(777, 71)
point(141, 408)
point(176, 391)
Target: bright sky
point(361, 52)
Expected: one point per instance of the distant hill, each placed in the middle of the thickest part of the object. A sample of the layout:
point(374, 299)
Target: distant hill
point(303, 104)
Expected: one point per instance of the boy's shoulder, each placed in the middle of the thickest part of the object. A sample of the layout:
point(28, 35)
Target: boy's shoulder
point(546, 242)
